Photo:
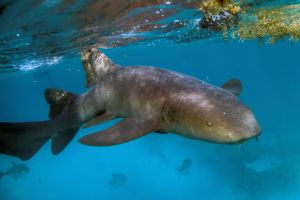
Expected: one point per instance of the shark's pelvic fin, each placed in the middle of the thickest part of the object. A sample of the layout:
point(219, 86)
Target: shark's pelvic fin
point(124, 131)
point(106, 116)
point(61, 140)
point(96, 65)
point(59, 100)
point(234, 86)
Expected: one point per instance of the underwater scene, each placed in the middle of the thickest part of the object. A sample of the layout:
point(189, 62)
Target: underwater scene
point(157, 99)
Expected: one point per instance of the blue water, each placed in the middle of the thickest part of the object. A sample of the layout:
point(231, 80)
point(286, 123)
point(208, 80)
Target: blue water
point(268, 169)
point(40, 44)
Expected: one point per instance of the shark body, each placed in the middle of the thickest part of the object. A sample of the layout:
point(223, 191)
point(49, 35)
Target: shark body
point(148, 99)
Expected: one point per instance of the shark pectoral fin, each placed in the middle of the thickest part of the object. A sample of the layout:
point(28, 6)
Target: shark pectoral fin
point(124, 131)
point(234, 86)
point(99, 119)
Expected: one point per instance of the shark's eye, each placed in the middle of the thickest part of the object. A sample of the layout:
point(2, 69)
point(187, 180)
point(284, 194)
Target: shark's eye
point(209, 123)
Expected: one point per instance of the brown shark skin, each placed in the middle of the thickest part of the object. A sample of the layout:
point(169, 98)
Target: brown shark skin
point(177, 103)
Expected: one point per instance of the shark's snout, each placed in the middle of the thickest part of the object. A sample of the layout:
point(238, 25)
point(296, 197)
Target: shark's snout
point(253, 129)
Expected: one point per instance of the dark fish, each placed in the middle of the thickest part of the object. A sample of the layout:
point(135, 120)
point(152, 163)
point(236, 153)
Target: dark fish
point(16, 171)
point(185, 166)
point(118, 179)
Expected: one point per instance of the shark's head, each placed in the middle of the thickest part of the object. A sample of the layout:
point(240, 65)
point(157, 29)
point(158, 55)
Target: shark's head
point(217, 115)
point(232, 122)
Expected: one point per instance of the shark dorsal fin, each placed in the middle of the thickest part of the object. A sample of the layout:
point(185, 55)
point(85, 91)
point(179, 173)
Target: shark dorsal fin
point(234, 86)
point(96, 65)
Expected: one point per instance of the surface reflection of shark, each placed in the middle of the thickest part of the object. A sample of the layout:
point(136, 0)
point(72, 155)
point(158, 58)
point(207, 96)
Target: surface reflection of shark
point(16, 171)
point(118, 180)
point(185, 166)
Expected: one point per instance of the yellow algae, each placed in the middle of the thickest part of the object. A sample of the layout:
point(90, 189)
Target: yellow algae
point(212, 7)
point(219, 15)
point(246, 22)
point(271, 23)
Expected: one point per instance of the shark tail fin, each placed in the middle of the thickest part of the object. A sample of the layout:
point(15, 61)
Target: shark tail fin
point(59, 100)
point(23, 139)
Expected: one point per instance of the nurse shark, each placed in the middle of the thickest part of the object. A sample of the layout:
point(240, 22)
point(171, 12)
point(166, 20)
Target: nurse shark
point(148, 99)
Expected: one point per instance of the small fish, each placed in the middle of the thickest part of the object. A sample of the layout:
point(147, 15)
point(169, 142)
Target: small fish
point(16, 171)
point(185, 166)
point(118, 179)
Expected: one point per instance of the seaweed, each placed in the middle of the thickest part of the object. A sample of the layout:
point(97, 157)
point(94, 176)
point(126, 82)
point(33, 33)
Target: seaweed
point(245, 22)
point(212, 7)
point(219, 14)
point(272, 23)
